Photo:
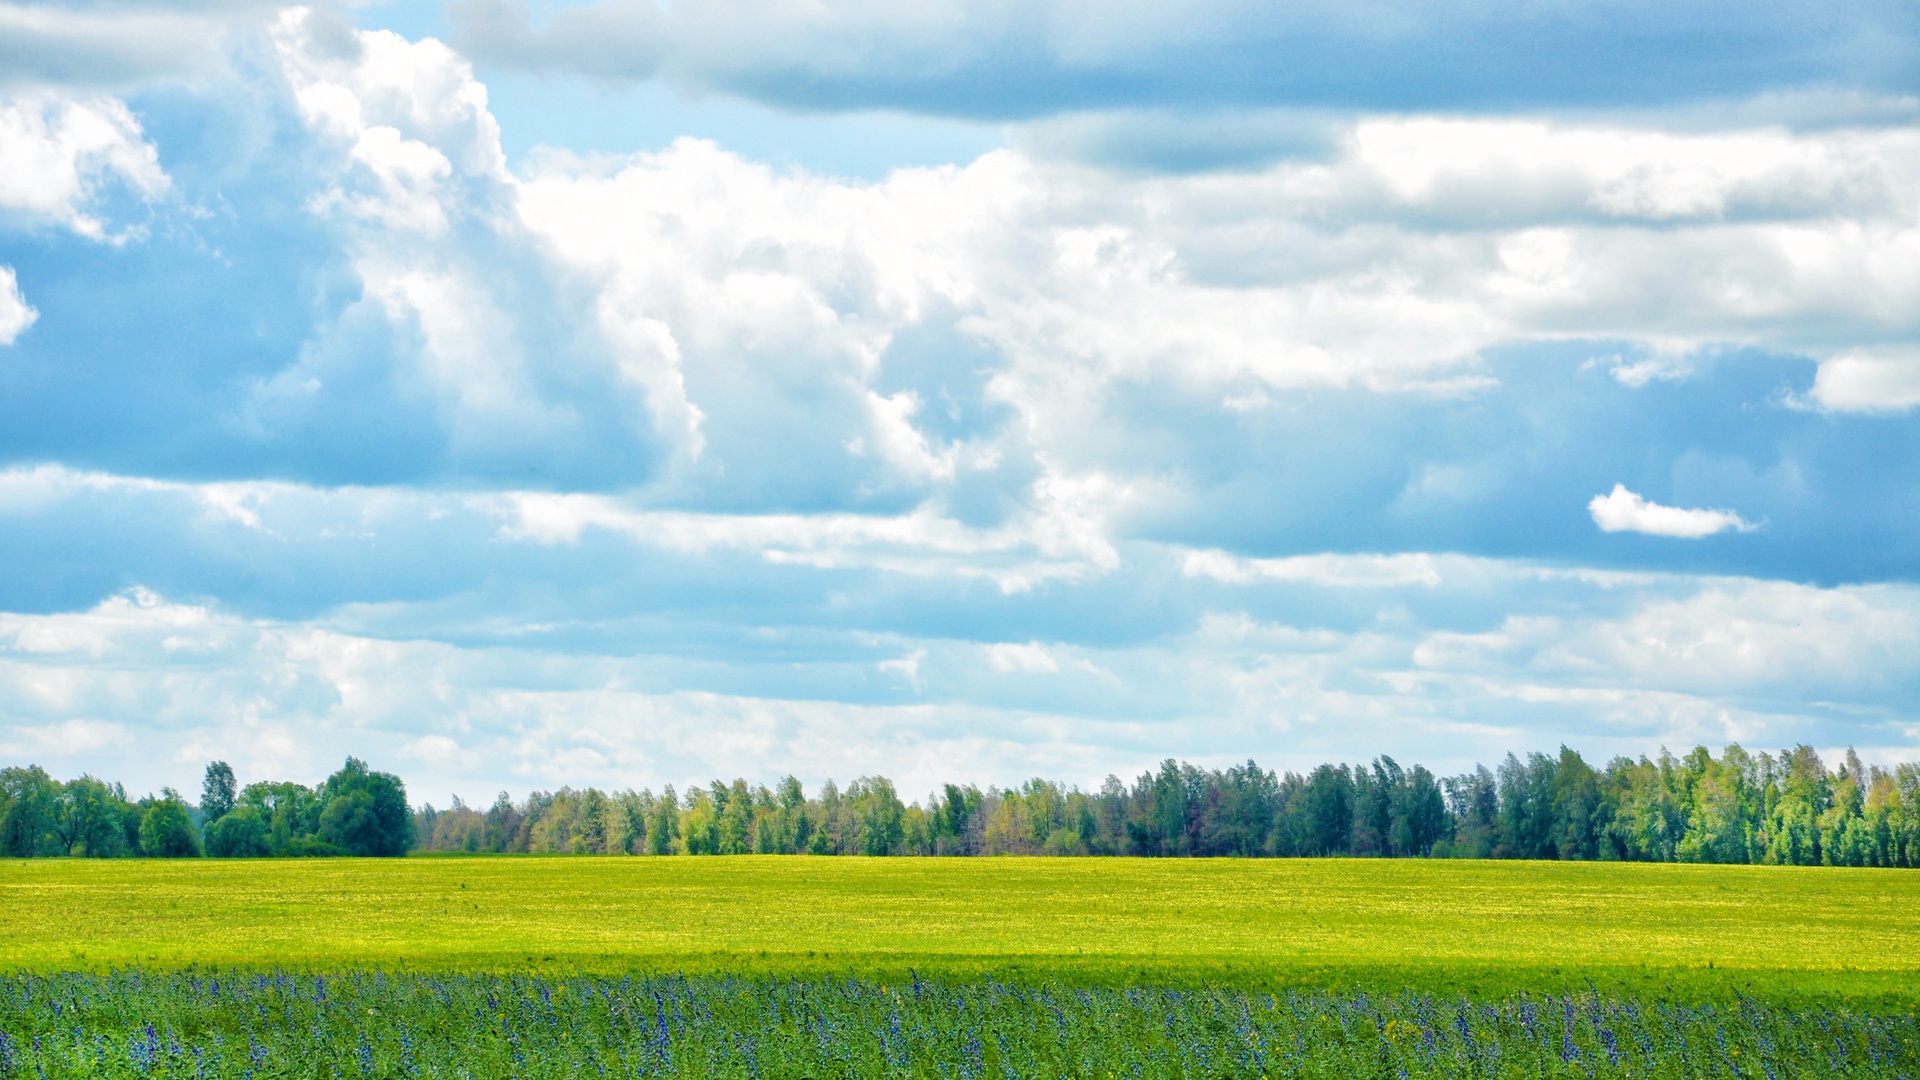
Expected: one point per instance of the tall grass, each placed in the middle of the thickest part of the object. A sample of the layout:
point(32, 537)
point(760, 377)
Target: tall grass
point(251, 1026)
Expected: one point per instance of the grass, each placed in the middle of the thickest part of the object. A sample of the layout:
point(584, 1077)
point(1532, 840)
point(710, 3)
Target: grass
point(1480, 929)
point(376, 1027)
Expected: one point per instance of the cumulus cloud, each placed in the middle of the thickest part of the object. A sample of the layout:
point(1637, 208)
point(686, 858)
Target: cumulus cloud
point(15, 313)
point(148, 687)
point(1396, 265)
point(992, 58)
point(1621, 510)
point(1869, 380)
point(1020, 463)
point(59, 155)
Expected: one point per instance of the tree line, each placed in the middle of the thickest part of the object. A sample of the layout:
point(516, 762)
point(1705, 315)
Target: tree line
point(1740, 807)
point(356, 811)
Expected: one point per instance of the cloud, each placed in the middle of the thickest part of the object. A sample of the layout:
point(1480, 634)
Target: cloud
point(1621, 510)
point(15, 313)
point(1334, 571)
point(59, 155)
point(1741, 640)
point(998, 59)
point(629, 467)
point(1031, 658)
point(1062, 539)
point(147, 688)
point(1869, 380)
point(115, 46)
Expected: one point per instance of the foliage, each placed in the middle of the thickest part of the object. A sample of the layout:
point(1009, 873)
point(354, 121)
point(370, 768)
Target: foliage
point(365, 812)
point(244, 1026)
point(1738, 808)
point(1788, 809)
point(356, 811)
point(166, 830)
point(241, 833)
point(217, 792)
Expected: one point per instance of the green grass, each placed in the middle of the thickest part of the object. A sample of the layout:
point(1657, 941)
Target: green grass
point(1476, 928)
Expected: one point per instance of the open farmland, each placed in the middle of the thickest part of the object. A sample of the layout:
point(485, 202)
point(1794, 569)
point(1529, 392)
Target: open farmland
point(1474, 927)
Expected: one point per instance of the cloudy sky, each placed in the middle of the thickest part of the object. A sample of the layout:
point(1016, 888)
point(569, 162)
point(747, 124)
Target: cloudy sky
point(623, 392)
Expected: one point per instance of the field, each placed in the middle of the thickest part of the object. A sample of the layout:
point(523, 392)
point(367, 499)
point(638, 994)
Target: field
point(1480, 928)
point(962, 969)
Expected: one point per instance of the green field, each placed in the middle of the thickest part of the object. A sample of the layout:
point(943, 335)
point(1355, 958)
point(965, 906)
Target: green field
point(1475, 927)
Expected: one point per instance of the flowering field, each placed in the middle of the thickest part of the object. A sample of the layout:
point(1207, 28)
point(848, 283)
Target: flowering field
point(247, 1026)
point(1480, 928)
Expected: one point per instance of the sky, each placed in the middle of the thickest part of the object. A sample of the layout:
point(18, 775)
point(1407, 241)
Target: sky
point(628, 392)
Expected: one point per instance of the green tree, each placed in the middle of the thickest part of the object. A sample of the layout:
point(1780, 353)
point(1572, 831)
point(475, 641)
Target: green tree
point(166, 829)
point(1327, 811)
point(366, 812)
point(663, 829)
point(699, 823)
point(240, 833)
point(86, 819)
point(1648, 820)
point(734, 829)
point(217, 793)
point(1793, 826)
point(1717, 827)
point(1419, 814)
point(1526, 807)
point(26, 812)
point(878, 815)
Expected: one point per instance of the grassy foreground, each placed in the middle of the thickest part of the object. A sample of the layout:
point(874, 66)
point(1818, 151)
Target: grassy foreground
point(1475, 928)
point(466, 1027)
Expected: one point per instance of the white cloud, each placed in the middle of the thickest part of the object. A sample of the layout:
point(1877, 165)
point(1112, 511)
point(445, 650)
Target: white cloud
point(1031, 658)
point(744, 324)
point(15, 313)
point(1734, 637)
point(1422, 243)
point(1621, 510)
point(1331, 571)
point(58, 155)
point(145, 688)
point(1870, 380)
point(115, 45)
point(1055, 542)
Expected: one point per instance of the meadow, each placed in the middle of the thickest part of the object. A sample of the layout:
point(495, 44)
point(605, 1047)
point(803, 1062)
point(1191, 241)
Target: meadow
point(474, 968)
point(369, 1026)
point(1479, 928)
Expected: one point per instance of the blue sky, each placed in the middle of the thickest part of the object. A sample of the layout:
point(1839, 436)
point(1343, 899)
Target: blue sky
point(624, 393)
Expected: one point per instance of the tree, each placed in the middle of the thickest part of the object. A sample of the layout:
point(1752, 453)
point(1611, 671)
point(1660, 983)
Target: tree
point(26, 812)
point(878, 815)
point(366, 812)
point(166, 830)
point(216, 793)
point(240, 833)
point(663, 830)
point(735, 825)
point(86, 819)
point(1328, 811)
point(1806, 792)
point(1473, 800)
point(1526, 807)
point(1419, 814)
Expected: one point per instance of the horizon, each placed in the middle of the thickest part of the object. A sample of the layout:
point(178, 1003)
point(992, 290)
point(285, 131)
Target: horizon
point(597, 393)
